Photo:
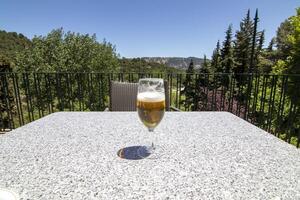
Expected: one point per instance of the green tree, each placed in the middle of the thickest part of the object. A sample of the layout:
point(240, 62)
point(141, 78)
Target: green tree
point(259, 48)
point(288, 55)
point(261, 61)
point(205, 66)
point(201, 85)
point(242, 45)
point(215, 59)
point(271, 45)
point(5, 64)
point(189, 88)
point(294, 41)
point(227, 58)
point(288, 47)
point(261, 41)
point(282, 43)
point(7, 104)
point(67, 52)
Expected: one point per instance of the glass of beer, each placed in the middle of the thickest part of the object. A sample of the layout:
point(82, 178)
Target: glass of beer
point(151, 108)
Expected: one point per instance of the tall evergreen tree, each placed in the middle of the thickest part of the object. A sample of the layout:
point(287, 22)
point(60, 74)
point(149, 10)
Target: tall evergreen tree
point(215, 59)
point(202, 82)
point(264, 59)
point(258, 50)
point(242, 50)
point(271, 45)
point(227, 59)
point(189, 88)
point(261, 40)
point(190, 69)
point(7, 103)
point(205, 67)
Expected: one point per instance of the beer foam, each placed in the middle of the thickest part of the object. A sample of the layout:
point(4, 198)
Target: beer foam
point(151, 96)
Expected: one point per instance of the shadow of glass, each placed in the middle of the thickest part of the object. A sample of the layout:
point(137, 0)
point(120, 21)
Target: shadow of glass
point(133, 153)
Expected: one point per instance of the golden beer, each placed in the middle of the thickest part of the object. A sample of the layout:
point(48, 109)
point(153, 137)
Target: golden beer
point(151, 108)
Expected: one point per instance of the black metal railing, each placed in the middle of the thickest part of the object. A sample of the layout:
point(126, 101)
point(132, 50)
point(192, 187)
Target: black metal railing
point(268, 101)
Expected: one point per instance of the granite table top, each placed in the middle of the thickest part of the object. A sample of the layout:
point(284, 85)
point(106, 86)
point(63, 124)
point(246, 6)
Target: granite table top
point(207, 155)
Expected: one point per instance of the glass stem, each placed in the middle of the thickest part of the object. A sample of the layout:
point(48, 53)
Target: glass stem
point(151, 130)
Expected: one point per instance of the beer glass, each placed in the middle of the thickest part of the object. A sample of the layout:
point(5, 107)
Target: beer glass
point(151, 108)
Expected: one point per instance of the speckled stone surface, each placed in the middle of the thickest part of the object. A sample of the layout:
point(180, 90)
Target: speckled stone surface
point(208, 155)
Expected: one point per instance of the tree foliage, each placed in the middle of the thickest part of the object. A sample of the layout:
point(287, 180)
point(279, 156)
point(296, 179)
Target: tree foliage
point(242, 45)
point(189, 88)
point(215, 59)
point(205, 68)
point(282, 43)
point(287, 54)
point(12, 42)
point(67, 52)
point(227, 58)
point(294, 42)
point(287, 61)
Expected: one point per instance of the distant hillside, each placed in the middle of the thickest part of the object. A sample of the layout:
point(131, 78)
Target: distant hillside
point(140, 65)
point(10, 43)
point(176, 62)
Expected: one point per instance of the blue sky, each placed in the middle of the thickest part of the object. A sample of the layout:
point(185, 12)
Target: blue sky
point(144, 27)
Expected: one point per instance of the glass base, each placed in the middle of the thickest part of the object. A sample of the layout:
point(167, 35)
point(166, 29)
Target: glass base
point(8, 194)
point(151, 152)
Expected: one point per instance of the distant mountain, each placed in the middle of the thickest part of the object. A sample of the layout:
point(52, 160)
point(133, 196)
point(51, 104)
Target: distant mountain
point(176, 62)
